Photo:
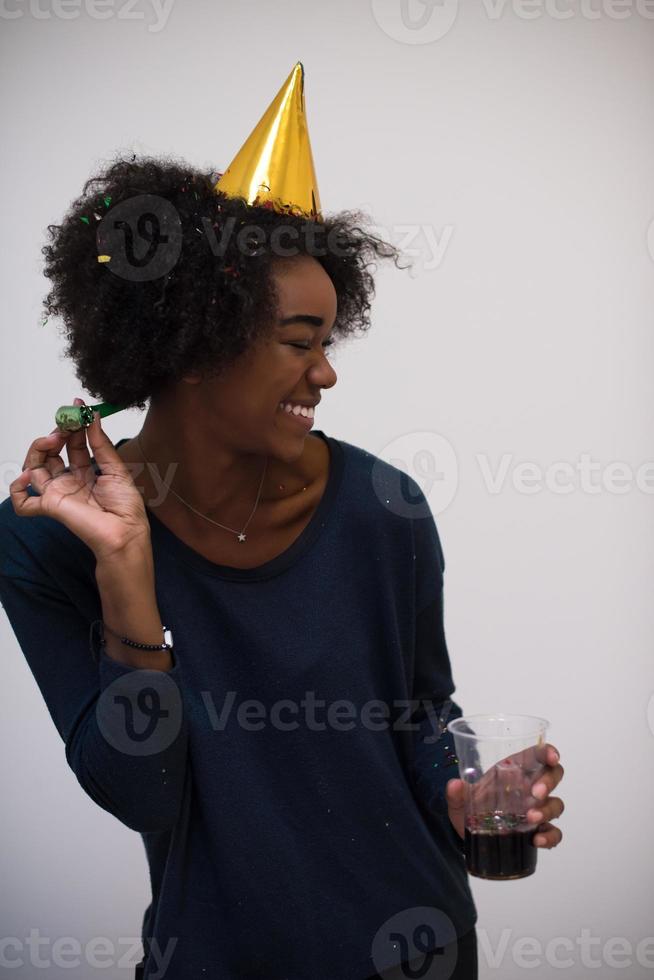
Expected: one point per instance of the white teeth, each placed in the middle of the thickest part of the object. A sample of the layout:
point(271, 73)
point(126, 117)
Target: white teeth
point(288, 407)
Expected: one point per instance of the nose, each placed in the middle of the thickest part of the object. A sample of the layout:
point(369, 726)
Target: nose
point(322, 374)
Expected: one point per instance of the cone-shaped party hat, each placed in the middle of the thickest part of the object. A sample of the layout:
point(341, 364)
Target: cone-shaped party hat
point(274, 166)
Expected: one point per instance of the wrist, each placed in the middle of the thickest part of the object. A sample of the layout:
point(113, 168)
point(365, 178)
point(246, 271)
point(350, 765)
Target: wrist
point(133, 563)
point(137, 547)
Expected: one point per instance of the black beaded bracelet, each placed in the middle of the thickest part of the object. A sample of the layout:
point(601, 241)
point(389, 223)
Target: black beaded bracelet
point(101, 626)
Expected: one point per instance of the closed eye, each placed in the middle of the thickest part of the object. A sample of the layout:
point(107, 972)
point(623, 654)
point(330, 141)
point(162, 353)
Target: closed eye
point(326, 343)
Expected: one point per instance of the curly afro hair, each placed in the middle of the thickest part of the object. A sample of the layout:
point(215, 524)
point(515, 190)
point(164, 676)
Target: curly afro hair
point(135, 326)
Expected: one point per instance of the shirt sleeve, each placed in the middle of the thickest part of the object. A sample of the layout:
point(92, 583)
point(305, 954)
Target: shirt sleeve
point(124, 728)
point(434, 756)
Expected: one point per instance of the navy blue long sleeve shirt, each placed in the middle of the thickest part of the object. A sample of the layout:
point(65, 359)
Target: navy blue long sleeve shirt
point(287, 775)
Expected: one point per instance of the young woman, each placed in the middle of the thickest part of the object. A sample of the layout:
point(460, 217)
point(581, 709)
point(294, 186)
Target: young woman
point(292, 816)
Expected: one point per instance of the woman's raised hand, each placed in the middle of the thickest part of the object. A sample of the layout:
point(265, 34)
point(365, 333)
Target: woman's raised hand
point(106, 512)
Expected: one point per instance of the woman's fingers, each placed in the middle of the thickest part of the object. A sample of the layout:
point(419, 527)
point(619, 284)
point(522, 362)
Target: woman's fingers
point(43, 448)
point(546, 782)
point(43, 460)
point(76, 447)
point(104, 451)
point(40, 476)
point(24, 505)
point(42, 464)
point(79, 457)
point(553, 808)
point(548, 836)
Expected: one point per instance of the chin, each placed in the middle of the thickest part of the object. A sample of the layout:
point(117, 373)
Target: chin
point(287, 446)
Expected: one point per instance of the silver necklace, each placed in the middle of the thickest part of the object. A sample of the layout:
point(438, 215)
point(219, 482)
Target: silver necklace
point(241, 534)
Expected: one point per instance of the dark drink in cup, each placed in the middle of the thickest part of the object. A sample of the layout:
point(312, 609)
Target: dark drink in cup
point(499, 853)
point(500, 758)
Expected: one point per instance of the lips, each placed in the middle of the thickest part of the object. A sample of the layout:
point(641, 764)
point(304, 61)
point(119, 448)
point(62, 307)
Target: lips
point(302, 420)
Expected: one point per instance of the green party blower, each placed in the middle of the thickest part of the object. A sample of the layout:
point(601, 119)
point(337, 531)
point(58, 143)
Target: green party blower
point(71, 418)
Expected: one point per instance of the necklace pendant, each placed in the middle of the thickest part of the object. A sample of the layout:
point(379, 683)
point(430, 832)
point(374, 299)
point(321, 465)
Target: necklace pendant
point(241, 537)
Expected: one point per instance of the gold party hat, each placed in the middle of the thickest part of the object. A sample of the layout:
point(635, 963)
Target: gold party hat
point(274, 167)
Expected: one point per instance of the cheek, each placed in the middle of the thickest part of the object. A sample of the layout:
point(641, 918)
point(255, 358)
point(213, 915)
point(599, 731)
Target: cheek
point(284, 373)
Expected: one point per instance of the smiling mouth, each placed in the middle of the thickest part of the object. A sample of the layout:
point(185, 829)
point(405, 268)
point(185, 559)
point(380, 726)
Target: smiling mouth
point(305, 420)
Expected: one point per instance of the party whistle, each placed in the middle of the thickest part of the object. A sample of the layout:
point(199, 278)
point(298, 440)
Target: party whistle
point(71, 418)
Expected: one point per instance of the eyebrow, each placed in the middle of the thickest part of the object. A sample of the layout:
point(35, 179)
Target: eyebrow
point(313, 321)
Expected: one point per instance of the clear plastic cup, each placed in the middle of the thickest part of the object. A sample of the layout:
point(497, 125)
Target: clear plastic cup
point(500, 756)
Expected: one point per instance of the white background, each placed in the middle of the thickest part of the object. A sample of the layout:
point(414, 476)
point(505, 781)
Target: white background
point(524, 140)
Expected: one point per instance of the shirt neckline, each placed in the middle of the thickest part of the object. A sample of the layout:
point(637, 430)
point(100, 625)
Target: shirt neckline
point(163, 534)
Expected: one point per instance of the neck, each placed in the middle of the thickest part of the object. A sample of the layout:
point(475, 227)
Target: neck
point(200, 464)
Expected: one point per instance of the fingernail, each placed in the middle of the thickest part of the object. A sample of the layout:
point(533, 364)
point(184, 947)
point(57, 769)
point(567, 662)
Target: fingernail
point(77, 401)
point(536, 816)
point(556, 755)
point(540, 790)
